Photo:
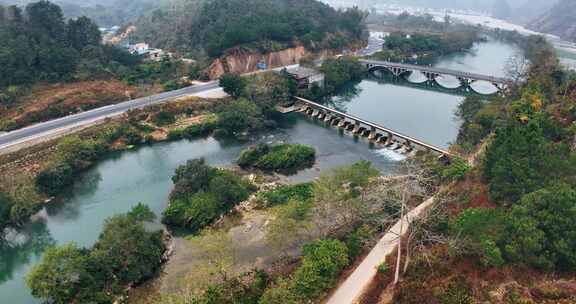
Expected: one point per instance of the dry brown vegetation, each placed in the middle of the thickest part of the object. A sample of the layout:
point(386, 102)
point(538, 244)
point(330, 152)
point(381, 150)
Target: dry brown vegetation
point(443, 274)
point(48, 101)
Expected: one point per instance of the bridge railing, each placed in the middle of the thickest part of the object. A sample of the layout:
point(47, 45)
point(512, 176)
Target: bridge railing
point(493, 79)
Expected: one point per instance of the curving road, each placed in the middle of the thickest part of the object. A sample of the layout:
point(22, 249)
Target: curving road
point(73, 121)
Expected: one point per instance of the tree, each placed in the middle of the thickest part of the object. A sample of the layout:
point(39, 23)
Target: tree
point(233, 84)
point(192, 177)
point(541, 229)
point(6, 204)
point(46, 18)
point(83, 32)
point(339, 72)
point(240, 116)
point(322, 262)
point(62, 276)
point(481, 231)
point(290, 225)
point(126, 252)
point(281, 293)
point(522, 158)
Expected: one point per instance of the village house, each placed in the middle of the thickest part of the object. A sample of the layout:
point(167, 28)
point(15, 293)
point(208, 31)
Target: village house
point(306, 77)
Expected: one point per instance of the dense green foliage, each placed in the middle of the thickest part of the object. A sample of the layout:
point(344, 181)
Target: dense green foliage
point(6, 205)
point(341, 71)
point(481, 228)
point(125, 253)
point(402, 47)
point(202, 129)
point(479, 118)
point(529, 168)
point(285, 193)
point(323, 260)
point(542, 230)
point(38, 45)
point(212, 27)
point(524, 158)
point(286, 158)
point(234, 85)
point(74, 155)
point(202, 193)
point(240, 116)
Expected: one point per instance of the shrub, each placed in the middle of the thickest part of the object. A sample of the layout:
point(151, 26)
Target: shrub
point(457, 292)
point(125, 253)
point(240, 116)
point(358, 239)
point(457, 170)
point(53, 180)
point(483, 229)
point(541, 229)
point(382, 268)
point(194, 131)
point(322, 262)
point(233, 84)
point(285, 193)
point(202, 193)
point(6, 204)
point(164, 118)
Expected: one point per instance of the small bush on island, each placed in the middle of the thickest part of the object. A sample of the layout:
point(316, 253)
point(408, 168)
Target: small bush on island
point(286, 158)
point(202, 193)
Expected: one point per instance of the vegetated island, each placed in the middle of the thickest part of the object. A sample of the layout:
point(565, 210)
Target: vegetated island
point(282, 158)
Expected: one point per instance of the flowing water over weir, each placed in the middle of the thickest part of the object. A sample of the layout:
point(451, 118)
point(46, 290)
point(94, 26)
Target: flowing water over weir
point(143, 175)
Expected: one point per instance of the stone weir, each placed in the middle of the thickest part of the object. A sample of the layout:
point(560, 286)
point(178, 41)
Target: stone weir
point(374, 132)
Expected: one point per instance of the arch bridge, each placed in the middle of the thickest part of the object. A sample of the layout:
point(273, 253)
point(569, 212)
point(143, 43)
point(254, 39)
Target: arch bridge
point(374, 132)
point(432, 73)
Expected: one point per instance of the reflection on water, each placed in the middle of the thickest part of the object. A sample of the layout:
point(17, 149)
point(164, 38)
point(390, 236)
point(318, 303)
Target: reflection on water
point(17, 250)
point(420, 110)
point(143, 175)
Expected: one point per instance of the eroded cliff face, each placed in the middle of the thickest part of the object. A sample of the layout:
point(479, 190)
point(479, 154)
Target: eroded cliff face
point(239, 61)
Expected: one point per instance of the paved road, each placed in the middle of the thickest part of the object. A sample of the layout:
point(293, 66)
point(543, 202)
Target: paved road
point(352, 289)
point(69, 122)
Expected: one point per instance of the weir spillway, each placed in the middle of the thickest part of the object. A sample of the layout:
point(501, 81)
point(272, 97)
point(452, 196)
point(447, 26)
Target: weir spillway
point(375, 133)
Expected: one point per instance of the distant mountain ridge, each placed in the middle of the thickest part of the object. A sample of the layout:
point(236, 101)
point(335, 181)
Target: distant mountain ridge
point(559, 21)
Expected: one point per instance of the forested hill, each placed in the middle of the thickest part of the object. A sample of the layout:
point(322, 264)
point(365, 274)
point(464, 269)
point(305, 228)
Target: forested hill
point(104, 12)
point(39, 45)
point(560, 21)
point(213, 26)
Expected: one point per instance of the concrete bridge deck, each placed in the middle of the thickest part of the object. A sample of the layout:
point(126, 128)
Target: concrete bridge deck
point(374, 126)
point(433, 70)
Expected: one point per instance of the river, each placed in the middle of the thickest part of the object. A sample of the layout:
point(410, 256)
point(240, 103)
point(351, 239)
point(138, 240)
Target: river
point(143, 175)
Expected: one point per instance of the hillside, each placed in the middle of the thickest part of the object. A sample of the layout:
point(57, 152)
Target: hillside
point(559, 21)
point(212, 27)
point(104, 12)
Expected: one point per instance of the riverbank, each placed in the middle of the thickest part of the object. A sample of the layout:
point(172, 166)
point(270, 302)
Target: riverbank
point(143, 173)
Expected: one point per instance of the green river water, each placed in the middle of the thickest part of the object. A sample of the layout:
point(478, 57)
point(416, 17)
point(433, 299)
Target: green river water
point(143, 175)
